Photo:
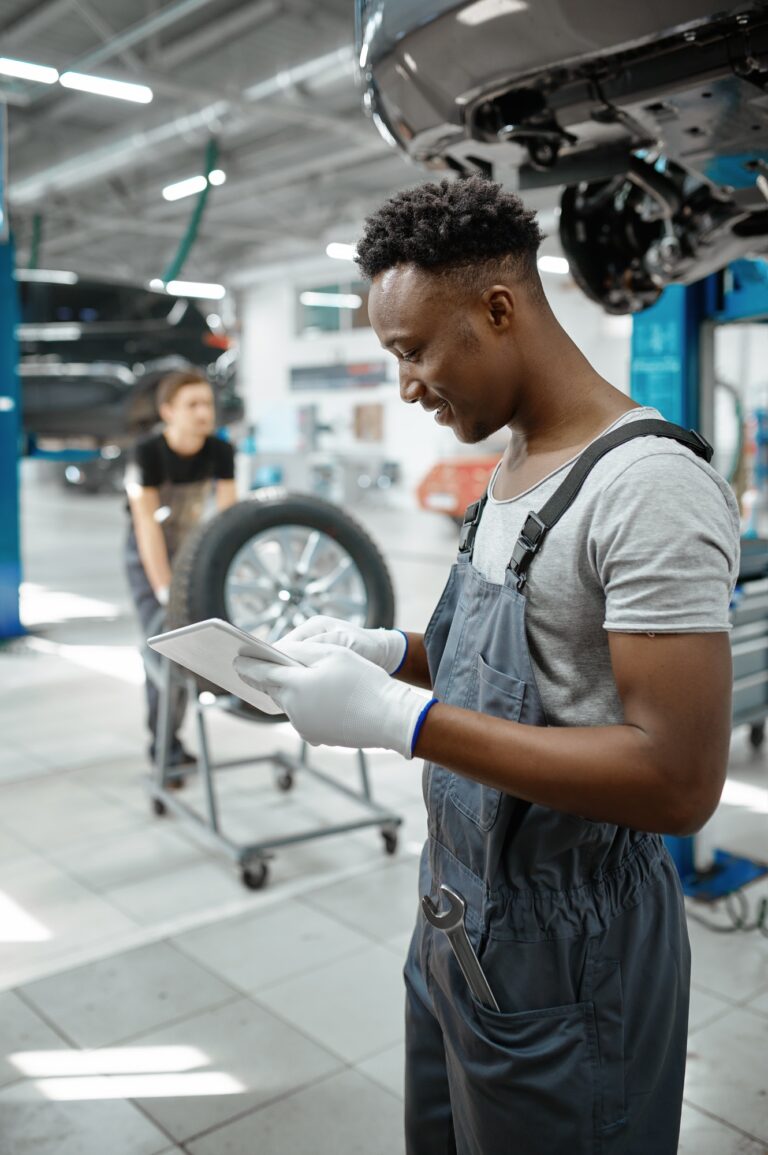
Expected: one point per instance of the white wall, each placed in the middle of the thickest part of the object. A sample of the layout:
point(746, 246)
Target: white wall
point(270, 348)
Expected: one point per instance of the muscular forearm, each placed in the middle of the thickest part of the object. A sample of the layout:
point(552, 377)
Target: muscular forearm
point(603, 773)
point(153, 552)
point(415, 668)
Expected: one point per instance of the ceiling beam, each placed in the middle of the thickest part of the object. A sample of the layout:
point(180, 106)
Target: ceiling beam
point(86, 166)
point(218, 32)
point(139, 32)
point(31, 23)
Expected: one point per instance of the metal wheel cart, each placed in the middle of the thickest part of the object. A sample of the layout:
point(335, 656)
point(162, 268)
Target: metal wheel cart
point(251, 858)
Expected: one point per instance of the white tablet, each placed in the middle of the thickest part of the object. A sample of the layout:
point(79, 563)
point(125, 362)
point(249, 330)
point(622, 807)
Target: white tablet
point(209, 648)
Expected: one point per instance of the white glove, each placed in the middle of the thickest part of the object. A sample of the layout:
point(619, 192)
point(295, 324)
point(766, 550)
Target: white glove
point(339, 698)
point(385, 648)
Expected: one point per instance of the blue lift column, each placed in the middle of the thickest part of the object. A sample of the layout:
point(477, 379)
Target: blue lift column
point(668, 370)
point(10, 403)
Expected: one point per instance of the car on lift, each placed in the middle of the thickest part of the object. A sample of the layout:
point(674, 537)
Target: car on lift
point(92, 352)
point(654, 117)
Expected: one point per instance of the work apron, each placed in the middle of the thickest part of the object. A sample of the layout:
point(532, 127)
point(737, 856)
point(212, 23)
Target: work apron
point(182, 507)
point(579, 926)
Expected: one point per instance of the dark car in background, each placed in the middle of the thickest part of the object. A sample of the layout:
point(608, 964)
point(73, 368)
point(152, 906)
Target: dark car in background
point(653, 115)
point(92, 353)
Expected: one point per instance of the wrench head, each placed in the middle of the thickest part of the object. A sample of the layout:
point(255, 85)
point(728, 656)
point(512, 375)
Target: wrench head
point(450, 918)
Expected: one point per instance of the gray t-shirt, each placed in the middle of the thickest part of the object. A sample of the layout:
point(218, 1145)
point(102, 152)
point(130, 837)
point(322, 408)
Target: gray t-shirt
point(650, 545)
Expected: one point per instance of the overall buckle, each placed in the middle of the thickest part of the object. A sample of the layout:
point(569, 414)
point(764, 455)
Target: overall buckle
point(469, 527)
point(527, 546)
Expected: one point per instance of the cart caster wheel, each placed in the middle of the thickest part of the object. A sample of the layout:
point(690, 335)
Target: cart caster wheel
point(254, 876)
point(284, 781)
point(757, 735)
point(158, 807)
point(390, 841)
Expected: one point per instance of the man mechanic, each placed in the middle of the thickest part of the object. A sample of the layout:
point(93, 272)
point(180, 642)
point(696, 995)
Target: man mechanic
point(580, 672)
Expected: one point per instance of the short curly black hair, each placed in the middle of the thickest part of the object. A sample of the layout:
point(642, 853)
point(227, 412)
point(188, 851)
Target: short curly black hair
point(468, 226)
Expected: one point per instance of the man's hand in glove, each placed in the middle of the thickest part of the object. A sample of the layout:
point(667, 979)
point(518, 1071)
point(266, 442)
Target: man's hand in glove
point(339, 698)
point(385, 648)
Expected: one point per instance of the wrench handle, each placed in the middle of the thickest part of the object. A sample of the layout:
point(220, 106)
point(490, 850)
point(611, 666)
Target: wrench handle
point(471, 969)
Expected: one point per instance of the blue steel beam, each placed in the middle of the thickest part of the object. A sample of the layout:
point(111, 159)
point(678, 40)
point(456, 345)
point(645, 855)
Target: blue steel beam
point(10, 402)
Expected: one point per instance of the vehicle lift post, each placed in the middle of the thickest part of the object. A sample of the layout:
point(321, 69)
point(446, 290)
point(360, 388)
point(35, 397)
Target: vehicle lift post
point(10, 421)
point(672, 369)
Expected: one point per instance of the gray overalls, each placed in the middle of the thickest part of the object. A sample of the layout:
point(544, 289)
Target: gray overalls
point(579, 926)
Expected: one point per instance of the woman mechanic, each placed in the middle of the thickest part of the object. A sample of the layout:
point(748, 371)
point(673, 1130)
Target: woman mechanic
point(579, 669)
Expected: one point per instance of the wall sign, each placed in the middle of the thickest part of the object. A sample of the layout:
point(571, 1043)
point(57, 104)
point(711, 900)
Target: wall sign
point(361, 375)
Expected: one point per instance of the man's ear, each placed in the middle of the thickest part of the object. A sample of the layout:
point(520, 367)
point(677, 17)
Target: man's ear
point(499, 306)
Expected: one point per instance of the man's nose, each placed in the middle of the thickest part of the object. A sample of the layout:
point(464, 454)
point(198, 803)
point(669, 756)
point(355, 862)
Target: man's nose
point(411, 388)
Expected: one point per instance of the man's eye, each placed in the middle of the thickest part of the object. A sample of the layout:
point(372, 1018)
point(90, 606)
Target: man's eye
point(409, 355)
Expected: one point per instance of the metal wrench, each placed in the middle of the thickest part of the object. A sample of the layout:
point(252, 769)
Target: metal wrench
point(452, 922)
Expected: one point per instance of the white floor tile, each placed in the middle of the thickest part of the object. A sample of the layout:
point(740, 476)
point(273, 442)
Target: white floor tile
point(705, 1008)
point(727, 1073)
point(103, 1003)
point(61, 1128)
point(354, 1006)
point(344, 1115)
point(381, 904)
point(46, 915)
point(21, 1031)
point(256, 1056)
point(270, 946)
point(387, 1068)
point(702, 1135)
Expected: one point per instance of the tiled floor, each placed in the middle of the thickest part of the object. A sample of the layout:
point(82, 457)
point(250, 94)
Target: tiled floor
point(146, 996)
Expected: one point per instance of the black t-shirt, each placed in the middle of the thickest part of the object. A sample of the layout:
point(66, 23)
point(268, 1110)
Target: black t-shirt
point(185, 483)
point(155, 463)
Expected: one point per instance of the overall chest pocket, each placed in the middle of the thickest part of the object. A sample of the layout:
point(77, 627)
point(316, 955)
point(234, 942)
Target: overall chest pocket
point(500, 695)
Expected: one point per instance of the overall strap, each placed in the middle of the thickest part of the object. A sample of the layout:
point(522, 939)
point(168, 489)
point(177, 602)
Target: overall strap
point(538, 525)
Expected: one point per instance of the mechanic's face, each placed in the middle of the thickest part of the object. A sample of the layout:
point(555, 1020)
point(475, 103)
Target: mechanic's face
point(191, 412)
point(455, 358)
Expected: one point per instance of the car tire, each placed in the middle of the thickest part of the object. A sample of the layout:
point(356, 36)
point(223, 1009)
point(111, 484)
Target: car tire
point(203, 563)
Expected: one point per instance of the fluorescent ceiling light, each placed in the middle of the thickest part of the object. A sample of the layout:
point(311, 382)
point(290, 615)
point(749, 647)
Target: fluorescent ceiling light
point(55, 331)
point(100, 86)
point(340, 252)
point(22, 69)
point(204, 289)
point(193, 184)
point(332, 300)
point(485, 10)
point(553, 265)
point(47, 276)
point(184, 188)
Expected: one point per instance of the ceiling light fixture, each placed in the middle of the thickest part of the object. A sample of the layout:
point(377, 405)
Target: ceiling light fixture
point(208, 290)
point(184, 188)
point(47, 276)
point(193, 184)
point(101, 86)
point(553, 265)
point(54, 331)
point(484, 10)
point(340, 252)
point(23, 70)
point(332, 300)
